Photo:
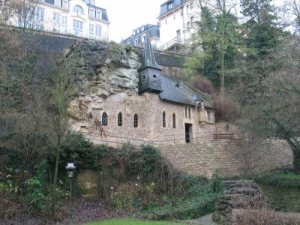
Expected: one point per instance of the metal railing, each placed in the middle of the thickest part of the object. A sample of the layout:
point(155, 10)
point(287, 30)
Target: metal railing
point(170, 43)
point(168, 139)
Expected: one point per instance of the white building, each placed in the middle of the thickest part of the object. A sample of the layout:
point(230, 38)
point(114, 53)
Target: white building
point(81, 18)
point(177, 22)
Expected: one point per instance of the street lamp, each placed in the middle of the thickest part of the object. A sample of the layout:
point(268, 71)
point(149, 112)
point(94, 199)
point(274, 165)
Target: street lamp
point(70, 167)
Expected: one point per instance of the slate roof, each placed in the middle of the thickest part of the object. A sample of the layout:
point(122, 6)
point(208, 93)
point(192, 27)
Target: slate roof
point(151, 29)
point(149, 58)
point(175, 90)
point(164, 7)
point(103, 12)
point(172, 89)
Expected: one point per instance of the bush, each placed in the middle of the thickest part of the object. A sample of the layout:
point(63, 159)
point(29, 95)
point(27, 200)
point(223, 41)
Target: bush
point(155, 168)
point(264, 217)
point(226, 109)
point(203, 84)
point(185, 209)
point(194, 196)
point(289, 180)
point(37, 191)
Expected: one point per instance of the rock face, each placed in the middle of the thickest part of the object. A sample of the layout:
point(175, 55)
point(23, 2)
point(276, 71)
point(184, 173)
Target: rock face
point(103, 68)
point(99, 70)
point(243, 194)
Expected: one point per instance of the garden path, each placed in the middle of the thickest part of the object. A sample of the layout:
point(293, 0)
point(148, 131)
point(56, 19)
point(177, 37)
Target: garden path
point(204, 220)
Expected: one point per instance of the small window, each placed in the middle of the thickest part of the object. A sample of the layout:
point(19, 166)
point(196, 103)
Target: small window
point(164, 119)
point(186, 112)
point(91, 30)
point(135, 121)
point(120, 119)
point(189, 112)
point(78, 27)
point(174, 120)
point(154, 76)
point(104, 119)
point(98, 30)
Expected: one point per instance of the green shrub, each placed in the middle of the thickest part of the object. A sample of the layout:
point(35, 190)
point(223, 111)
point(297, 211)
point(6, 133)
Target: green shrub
point(37, 191)
point(155, 168)
point(38, 194)
point(194, 196)
point(185, 209)
point(290, 180)
point(124, 197)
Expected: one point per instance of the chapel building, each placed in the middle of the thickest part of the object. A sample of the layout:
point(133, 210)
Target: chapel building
point(164, 111)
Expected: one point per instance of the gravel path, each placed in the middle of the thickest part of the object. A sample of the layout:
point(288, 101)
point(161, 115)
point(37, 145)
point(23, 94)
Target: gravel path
point(204, 220)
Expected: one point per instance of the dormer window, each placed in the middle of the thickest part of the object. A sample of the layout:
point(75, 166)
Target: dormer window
point(91, 12)
point(98, 14)
point(170, 5)
point(65, 4)
point(78, 9)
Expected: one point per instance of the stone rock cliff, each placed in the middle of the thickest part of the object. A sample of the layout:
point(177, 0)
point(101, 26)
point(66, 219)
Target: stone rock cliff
point(109, 68)
point(100, 70)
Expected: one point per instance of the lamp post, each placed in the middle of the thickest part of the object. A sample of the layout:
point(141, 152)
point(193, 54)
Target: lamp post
point(70, 167)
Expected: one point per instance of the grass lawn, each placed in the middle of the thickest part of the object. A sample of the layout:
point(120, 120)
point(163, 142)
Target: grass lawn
point(130, 221)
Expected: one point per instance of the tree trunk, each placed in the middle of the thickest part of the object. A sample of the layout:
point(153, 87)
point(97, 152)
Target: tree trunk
point(296, 160)
point(56, 166)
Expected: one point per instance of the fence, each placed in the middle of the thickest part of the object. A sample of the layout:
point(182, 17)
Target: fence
point(168, 139)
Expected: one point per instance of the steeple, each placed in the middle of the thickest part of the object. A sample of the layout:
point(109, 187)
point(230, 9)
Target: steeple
point(149, 73)
point(149, 58)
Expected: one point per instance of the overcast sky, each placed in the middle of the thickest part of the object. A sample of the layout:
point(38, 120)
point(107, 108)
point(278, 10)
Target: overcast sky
point(124, 16)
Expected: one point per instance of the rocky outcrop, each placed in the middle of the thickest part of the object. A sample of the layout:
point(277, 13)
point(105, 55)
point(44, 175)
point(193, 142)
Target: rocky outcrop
point(99, 70)
point(243, 194)
point(102, 68)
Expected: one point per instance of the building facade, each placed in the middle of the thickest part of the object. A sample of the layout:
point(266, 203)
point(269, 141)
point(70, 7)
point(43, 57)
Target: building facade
point(177, 22)
point(81, 18)
point(138, 36)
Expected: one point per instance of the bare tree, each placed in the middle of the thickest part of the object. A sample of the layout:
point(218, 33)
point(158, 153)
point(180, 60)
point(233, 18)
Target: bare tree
point(21, 13)
point(276, 111)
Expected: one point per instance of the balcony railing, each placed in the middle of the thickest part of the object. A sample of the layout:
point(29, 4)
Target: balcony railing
point(171, 43)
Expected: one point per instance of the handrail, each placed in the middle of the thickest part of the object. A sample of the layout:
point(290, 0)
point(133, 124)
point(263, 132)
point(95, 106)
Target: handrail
point(198, 137)
point(171, 42)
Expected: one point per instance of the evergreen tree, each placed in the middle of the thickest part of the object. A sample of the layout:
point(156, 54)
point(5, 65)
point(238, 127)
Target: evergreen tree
point(261, 36)
point(217, 38)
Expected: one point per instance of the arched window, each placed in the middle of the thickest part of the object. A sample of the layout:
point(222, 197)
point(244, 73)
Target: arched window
point(174, 120)
point(78, 9)
point(104, 119)
point(164, 119)
point(120, 119)
point(135, 120)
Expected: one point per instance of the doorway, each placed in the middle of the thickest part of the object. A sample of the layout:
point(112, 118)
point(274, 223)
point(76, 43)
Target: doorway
point(188, 132)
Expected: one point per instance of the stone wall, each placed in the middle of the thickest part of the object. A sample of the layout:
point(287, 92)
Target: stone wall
point(149, 109)
point(51, 43)
point(229, 158)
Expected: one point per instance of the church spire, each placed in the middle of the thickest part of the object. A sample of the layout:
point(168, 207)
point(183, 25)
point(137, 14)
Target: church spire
point(149, 58)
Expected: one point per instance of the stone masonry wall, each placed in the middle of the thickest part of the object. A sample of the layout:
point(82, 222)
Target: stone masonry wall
point(149, 109)
point(229, 158)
